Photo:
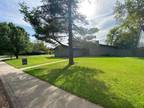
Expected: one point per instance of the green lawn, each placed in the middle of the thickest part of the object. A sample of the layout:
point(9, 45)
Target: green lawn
point(32, 60)
point(110, 82)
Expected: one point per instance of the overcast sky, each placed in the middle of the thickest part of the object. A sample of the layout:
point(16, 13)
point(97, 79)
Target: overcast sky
point(98, 12)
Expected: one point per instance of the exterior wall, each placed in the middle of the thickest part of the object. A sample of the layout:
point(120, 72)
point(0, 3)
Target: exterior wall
point(124, 52)
point(64, 52)
point(139, 52)
point(103, 51)
point(61, 52)
point(100, 51)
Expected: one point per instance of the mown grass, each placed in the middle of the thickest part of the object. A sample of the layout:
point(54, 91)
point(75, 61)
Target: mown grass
point(110, 82)
point(32, 60)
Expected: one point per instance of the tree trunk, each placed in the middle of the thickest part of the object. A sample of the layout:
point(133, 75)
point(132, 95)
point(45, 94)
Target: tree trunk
point(16, 55)
point(71, 61)
point(10, 56)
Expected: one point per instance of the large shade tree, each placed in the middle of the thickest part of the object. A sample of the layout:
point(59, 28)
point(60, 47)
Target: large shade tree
point(54, 20)
point(4, 38)
point(130, 14)
point(14, 39)
point(122, 37)
point(130, 11)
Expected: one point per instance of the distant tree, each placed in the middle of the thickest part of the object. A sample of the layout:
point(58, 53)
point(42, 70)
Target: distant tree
point(28, 48)
point(40, 46)
point(14, 39)
point(54, 20)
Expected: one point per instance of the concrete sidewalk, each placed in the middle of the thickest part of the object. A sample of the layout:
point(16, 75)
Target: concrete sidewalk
point(26, 91)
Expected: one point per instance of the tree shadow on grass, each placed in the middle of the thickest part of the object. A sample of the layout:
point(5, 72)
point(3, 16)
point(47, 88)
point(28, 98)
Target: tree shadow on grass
point(141, 58)
point(84, 82)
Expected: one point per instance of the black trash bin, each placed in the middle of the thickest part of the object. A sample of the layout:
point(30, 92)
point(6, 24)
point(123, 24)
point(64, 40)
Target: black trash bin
point(24, 61)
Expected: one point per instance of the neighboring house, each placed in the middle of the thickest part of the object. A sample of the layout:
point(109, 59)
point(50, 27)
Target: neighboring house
point(86, 48)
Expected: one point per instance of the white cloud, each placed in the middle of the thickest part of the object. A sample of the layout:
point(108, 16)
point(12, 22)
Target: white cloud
point(107, 22)
point(102, 16)
point(102, 35)
point(9, 12)
point(105, 25)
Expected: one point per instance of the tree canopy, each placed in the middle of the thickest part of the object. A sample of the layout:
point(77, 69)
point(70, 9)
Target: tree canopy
point(14, 39)
point(122, 37)
point(131, 11)
point(50, 20)
point(130, 14)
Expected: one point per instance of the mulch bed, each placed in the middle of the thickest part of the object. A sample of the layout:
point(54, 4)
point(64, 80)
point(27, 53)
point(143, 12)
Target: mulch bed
point(4, 103)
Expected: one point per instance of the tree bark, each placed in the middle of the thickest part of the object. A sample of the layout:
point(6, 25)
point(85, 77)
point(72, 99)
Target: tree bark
point(10, 56)
point(71, 61)
point(16, 55)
